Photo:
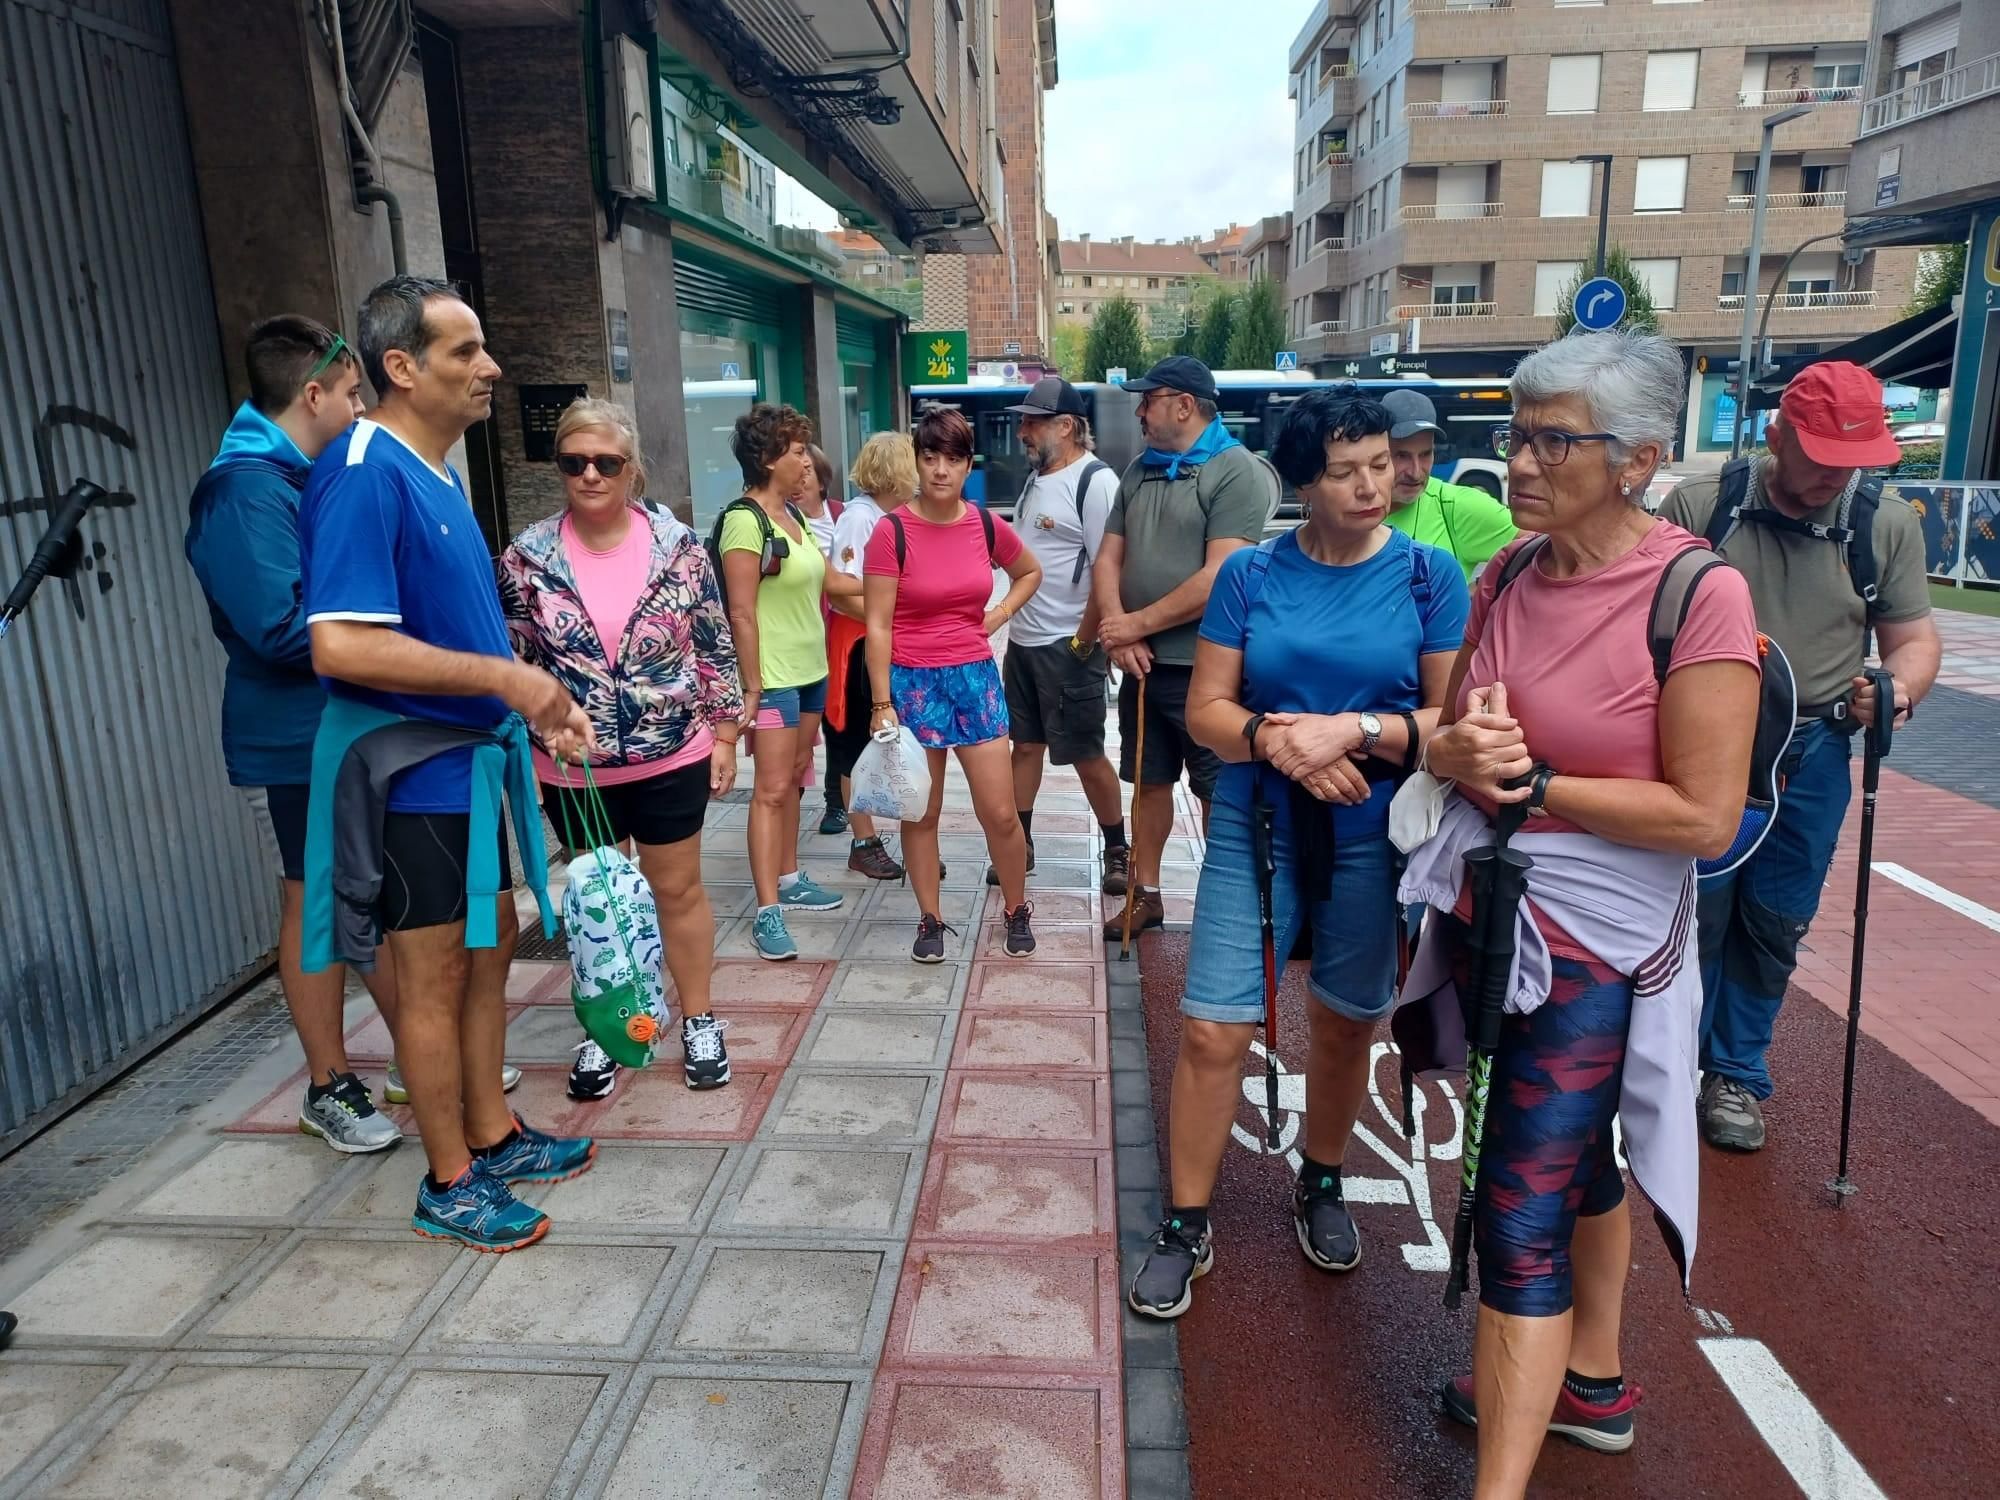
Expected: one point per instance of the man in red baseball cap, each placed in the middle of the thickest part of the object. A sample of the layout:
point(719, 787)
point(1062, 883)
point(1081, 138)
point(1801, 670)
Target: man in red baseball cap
point(1830, 559)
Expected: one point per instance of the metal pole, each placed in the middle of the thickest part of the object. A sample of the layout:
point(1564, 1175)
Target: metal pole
point(1603, 211)
point(1764, 318)
point(1760, 190)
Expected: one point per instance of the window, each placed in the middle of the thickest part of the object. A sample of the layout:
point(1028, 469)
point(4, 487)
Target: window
point(1066, 307)
point(1670, 80)
point(1661, 279)
point(1733, 271)
point(1461, 191)
point(1551, 277)
point(1086, 281)
point(1831, 178)
point(1086, 309)
point(1756, 70)
point(1926, 49)
point(1743, 182)
point(1565, 189)
point(1662, 185)
point(1152, 283)
point(1455, 285)
point(1467, 83)
point(1573, 82)
point(1837, 67)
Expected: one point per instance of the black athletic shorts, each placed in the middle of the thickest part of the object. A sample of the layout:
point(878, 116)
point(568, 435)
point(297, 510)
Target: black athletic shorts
point(1169, 747)
point(1057, 699)
point(423, 869)
point(844, 746)
point(283, 809)
point(663, 809)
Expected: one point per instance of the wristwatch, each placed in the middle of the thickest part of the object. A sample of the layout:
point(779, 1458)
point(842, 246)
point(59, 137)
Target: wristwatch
point(1538, 794)
point(1371, 733)
point(1080, 648)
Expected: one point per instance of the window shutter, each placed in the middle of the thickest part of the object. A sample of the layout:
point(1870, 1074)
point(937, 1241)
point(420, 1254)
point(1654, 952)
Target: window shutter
point(1565, 189)
point(1927, 39)
point(1670, 80)
point(1573, 83)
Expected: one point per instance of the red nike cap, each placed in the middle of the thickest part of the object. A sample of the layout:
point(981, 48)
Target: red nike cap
point(1835, 408)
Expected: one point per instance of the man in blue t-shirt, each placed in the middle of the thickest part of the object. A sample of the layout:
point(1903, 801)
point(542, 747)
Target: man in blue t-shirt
point(405, 617)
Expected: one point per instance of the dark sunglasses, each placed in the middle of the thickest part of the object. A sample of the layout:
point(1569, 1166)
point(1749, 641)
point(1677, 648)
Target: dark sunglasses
point(610, 465)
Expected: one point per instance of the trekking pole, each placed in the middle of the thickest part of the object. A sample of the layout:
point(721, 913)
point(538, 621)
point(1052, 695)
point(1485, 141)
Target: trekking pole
point(56, 553)
point(1138, 786)
point(1873, 748)
point(1263, 853)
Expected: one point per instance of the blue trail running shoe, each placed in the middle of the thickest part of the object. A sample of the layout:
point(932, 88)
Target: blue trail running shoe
point(807, 894)
point(531, 1155)
point(478, 1210)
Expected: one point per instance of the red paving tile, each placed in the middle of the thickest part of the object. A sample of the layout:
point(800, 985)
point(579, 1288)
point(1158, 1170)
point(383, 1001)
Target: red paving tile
point(1055, 942)
point(767, 1036)
point(1045, 1041)
point(1050, 1199)
point(1052, 905)
point(538, 983)
point(277, 1113)
point(1012, 985)
point(997, 1437)
point(996, 1308)
point(658, 1105)
point(1003, 1108)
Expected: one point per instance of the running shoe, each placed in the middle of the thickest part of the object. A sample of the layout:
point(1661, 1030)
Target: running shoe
point(396, 1093)
point(477, 1209)
point(1605, 1429)
point(342, 1115)
point(773, 939)
point(929, 946)
point(1020, 936)
point(1731, 1117)
point(1163, 1286)
point(704, 1060)
point(868, 857)
point(1117, 869)
point(593, 1075)
point(806, 894)
point(834, 819)
point(993, 875)
point(531, 1155)
point(1326, 1229)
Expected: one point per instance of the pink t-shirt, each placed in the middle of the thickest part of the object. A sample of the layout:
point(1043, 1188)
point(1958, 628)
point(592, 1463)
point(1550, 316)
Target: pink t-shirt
point(611, 584)
point(943, 586)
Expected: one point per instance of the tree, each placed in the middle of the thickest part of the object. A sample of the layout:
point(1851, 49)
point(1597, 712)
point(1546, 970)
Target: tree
point(1066, 350)
point(1940, 277)
point(1640, 316)
point(1210, 343)
point(1260, 328)
point(1117, 339)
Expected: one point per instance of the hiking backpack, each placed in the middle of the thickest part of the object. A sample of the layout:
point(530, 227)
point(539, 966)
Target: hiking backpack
point(1777, 702)
point(1854, 531)
point(767, 537)
point(902, 546)
point(1091, 469)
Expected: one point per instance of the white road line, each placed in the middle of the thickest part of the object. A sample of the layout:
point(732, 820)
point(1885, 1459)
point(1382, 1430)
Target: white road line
point(1811, 1451)
point(1985, 916)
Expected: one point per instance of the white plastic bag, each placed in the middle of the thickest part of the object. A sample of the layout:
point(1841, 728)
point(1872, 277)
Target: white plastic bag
point(892, 777)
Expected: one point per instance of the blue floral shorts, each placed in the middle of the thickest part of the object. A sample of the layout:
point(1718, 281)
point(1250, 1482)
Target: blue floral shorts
point(947, 706)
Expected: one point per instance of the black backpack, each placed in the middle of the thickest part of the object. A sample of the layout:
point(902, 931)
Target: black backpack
point(1091, 470)
point(902, 546)
point(767, 535)
point(1857, 535)
point(1777, 703)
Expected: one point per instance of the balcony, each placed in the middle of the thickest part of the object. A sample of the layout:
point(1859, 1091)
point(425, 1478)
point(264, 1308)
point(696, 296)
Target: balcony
point(1336, 72)
point(1420, 7)
point(1323, 328)
point(1452, 109)
point(1743, 203)
point(1411, 213)
point(1331, 242)
point(1973, 80)
point(1772, 98)
point(1409, 310)
point(1797, 301)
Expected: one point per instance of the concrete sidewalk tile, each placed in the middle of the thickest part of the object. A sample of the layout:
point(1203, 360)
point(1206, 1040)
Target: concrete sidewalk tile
point(960, 905)
point(1055, 943)
point(1158, 1474)
point(765, 1036)
point(131, 1289)
point(1044, 1197)
point(39, 1400)
point(637, 1188)
point(792, 1190)
point(884, 941)
point(242, 1177)
point(1007, 1108)
point(561, 1300)
point(1056, 905)
point(369, 1040)
point(332, 1291)
point(971, 1308)
point(1009, 984)
point(535, 982)
point(730, 1438)
point(906, 985)
point(760, 1299)
point(738, 982)
point(947, 1436)
point(820, 936)
point(1062, 875)
point(657, 1104)
point(379, 1189)
point(883, 1107)
point(883, 1038)
point(218, 1431)
point(1045, 1041)
point(1155, 1408)
point(543, 1034)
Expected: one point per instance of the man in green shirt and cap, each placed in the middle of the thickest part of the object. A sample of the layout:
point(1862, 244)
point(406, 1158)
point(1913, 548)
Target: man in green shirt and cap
point(1466, 522)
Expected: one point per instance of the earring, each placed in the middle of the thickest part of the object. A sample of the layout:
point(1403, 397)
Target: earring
point(1625, 489)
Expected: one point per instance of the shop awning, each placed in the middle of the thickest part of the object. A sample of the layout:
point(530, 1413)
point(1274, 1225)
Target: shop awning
point(1916, 351)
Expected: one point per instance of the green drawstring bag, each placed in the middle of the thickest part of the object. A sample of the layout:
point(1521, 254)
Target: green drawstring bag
point(615, 951)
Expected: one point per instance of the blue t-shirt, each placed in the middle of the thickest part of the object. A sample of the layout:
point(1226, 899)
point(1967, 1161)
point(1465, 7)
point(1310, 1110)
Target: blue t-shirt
point(387, 539)
point(1321, 639)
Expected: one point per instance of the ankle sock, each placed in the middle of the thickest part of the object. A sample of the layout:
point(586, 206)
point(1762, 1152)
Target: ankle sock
point(1193, 1221)
point(1114, 834)
point(1316, 1176)
point(500, 1145)
point(789, 879)
point(1594, 1390)
point(762, 909)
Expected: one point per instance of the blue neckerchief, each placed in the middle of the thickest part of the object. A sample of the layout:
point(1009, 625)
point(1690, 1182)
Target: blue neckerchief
point(1214, 439)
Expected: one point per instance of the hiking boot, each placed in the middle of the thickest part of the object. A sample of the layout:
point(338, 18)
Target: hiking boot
point(1731, 1117)
point(1148, 911)
point(1325, 1228)
point(1605, 1429)
point(342, 1115)
point(772, 938)
point(395, 1092)
point(1163, 1286)
point(704, 1060)
point(868, 857)
point(1020, 936)
point(477, 1209)
point(929, 946)
point(1117, 869)
point(993, 875)
point(531, 1155)
point(806, 894)
point(593, 1075)
point(834, 819)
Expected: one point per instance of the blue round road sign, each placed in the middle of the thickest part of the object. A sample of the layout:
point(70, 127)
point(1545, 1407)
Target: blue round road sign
point(1600, 303)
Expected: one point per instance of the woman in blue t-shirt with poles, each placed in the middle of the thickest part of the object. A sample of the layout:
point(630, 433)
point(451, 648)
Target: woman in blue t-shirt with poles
point(1321, 666)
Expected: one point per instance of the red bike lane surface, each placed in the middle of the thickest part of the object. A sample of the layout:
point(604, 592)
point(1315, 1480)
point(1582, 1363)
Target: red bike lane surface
point(1882, 1311)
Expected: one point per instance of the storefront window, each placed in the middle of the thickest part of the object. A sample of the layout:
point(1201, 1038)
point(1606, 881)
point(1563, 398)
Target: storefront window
point(721, 379)
point(857, 398)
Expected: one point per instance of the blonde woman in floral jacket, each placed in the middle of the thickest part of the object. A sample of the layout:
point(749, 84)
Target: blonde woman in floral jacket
point(619, 603)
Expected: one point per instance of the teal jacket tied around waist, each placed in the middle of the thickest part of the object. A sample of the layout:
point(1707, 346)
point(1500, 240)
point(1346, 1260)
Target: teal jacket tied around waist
point(358, 751)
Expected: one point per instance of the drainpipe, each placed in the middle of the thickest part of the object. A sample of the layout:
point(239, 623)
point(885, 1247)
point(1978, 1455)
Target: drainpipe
point(375, 190)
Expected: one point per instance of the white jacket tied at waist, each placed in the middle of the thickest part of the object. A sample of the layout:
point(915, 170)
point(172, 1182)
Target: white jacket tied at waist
point(1634, 909)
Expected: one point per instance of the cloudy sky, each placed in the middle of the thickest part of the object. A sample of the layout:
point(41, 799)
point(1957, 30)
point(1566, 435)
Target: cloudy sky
point(1170, 117)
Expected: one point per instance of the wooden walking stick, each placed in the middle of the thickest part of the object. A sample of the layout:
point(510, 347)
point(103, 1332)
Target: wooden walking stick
point(1138, 786)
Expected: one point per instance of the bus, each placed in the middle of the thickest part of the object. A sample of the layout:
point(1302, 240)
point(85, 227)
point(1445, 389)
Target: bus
point(1250, 403)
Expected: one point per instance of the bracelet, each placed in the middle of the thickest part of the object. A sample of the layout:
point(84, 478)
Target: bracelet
point(878, 707)
point(1410, 745)
point(1250, 727)
point(1539, 791)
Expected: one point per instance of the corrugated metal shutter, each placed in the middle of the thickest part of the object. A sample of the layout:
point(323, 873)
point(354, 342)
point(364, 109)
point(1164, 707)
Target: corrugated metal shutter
point(702, 287)
point(854, 332)
point(136, 884)
point(1926, 39)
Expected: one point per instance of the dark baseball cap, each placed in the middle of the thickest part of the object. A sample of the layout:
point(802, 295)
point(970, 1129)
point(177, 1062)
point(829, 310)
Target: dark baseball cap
point(1410, 412)
point(1052, 397)
point(1177, 372)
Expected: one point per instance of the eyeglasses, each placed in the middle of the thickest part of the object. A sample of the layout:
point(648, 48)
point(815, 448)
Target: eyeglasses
point(1550, 445)
point(610, 465)
point(334, 350)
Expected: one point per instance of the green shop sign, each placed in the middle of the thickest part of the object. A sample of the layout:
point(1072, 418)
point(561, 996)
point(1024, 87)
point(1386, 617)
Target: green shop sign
point(934, 358)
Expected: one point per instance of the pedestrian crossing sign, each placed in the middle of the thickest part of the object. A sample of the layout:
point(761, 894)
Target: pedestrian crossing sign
point(1288, 359)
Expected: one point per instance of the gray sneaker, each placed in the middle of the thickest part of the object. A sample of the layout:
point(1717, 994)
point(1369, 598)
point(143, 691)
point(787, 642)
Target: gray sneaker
point(345, 1118)
point(1731, 1116)
point(1163, 1286)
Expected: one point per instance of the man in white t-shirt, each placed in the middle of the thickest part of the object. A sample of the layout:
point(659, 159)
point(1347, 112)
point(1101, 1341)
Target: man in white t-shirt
point(1055, 672)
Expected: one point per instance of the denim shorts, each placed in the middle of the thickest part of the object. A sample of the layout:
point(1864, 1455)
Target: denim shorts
point(1354, 932)
point(789, 703)
point(949, 706)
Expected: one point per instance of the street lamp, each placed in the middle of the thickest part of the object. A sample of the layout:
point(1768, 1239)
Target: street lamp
point(1603, 205)
point(1750, 271)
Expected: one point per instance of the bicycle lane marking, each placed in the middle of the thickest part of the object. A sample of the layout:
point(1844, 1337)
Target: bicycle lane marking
point(1819, 1462)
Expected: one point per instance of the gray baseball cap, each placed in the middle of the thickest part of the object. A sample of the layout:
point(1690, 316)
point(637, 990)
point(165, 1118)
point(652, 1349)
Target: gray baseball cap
point(1410, 412)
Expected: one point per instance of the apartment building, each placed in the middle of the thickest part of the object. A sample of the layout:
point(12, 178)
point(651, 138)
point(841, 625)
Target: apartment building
point(1160, 276)
point(1441, 201)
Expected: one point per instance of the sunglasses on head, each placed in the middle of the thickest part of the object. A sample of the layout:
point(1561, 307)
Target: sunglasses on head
point(610, 465)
